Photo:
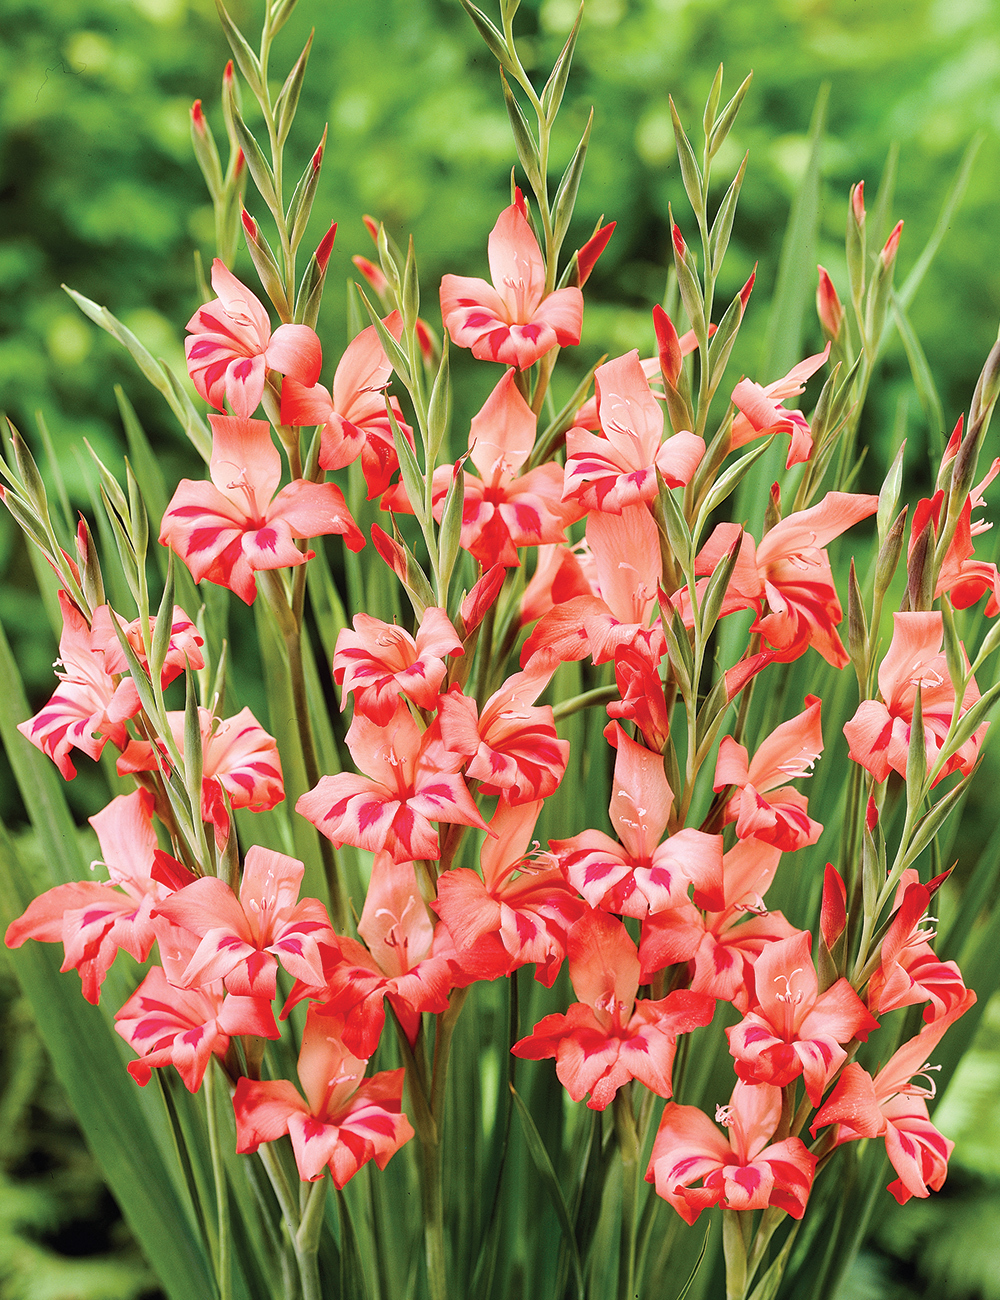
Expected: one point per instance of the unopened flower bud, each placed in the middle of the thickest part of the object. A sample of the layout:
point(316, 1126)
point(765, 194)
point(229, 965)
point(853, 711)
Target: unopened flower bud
point(372, 273)
point(747, 289)
point(371, 225)
point(481, 597)
point(198, 117)
point(326, 247)
point(426, 342)
point(679, 244)
point(250, 226)
point(858, 202)
point(833, 911)
point(828, 305)
point(668, 344)
point(888, 253)
point(586, 258)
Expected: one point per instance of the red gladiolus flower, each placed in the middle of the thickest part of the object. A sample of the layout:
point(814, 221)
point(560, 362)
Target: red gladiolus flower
point(231, 347)
point(608, 1038)
point(512, 320)
point(229, 529)
point(740, 1171)
point(346, 1119)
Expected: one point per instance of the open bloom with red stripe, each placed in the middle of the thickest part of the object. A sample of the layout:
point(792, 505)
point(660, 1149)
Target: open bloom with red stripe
point(345, 1119)
point(740, 1171)
point(512, 320)
point(231, 347)
point(231, 528)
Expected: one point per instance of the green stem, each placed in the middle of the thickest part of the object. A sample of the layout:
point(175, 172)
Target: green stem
point(222, 1264)
point(628, 1145)
point(306, 1239)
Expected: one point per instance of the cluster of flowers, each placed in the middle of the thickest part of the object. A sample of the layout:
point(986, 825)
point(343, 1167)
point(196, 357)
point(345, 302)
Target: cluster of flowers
point(426, 752)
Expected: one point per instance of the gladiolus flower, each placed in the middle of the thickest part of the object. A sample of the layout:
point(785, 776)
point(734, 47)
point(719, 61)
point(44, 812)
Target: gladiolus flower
point(740, 1171)
point(761, 411)
point(380, 661)
point(346, 1119)
point(229, 529)
point(512, 320)
point(231, 347)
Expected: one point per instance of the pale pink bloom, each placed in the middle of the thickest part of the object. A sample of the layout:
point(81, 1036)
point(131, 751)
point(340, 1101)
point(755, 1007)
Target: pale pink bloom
point(789, 572)
point(412, 781)
point(792, 1028)
point(346, 1119)
point(739, 1170)
point(380, 661)
point(909, 971)
point(186, 1027)
point(229, 529)
point(238, 757)
point(93, 919)
point(512, 744)
point(879, 732)
point(720, 947)
point(405, 961)
point(643, 873)
point(608, 1038)
point(764, 807)
point(242, 939)
point(88, 708)
point(893, 1105)
point(760, 410)
point(231, 347)
point(512, 320)
point(503, 509)
point(518, 911)
point(619, 468)
point(353, 415)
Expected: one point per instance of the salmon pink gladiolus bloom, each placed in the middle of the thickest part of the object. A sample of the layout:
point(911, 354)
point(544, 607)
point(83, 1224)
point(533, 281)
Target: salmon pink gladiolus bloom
point(792, 1028)
point(740, 1171)
point(910, 972)
point(229, 529)
point(608, 1038)
point(413, 780)
point(231, 347)
point(764, 808)
point(380, 661)
point(512, 320)
point(353, 415)
point(879, 732)
point(894, 1106)
point(760, 411)
point(619, 468)
point(345, 1119)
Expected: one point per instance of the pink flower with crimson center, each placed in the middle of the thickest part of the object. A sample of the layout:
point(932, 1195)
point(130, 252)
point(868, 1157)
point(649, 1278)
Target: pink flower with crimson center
point(353, 414)
point(235, 526)
point(242, 939)
point(792, 1028)
point(183, 648)
point(231, 347)
point(512, 320)
point(641, 874)
point(92, 919)
point(764, 807)
point(879, 732)
point(909, 971)
point(608, 1038)
point(412, 781)
point(893, 1105)
point(742, 1170)
point(344, 1121)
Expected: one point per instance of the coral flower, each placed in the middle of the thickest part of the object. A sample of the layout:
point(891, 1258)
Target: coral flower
point(760, 410)
point(231, 347)
point(879, 732)
point(380, 661)
point(512, 320)
point(740, 1171)
point(229, 529)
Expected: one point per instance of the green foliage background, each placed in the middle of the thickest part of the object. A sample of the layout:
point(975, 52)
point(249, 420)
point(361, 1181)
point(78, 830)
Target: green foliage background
point(98, 189)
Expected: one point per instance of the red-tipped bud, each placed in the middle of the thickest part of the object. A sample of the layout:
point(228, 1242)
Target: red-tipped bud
point(519, 202)
point(372, 273)
point(679, 244)
point(326, 247)
point(426, 341)
point(249, 225)
point(871, 814)
point(669, 346)
point(586, 258)
point(833, 912)
point(390, 551)
point(317, 158)
point(481, 597)
point(198, 118)
point(228, 72)
point(888, 253)
point(858, 202)
point(954, 442)
point(371, 225)
point(241, 162)
point(747, 289)
point(828, 306)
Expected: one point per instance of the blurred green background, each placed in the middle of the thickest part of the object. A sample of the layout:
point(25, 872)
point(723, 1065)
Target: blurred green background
point(98, 189)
